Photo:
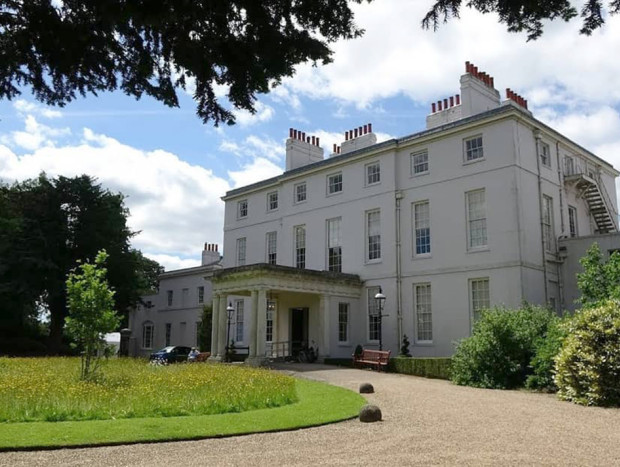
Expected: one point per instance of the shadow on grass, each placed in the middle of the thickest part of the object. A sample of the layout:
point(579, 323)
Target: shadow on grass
point(319, 404)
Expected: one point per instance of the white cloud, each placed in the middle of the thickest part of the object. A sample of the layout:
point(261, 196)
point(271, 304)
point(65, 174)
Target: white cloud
point(254, 147)
point(263, 114)
point(25, 107)
point(170, 263)
point(35, 135)
point(255, 171)
point(174, 204)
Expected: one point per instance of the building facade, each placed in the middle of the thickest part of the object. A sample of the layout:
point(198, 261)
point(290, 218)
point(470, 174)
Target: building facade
point(172, 314)
point(445, 222)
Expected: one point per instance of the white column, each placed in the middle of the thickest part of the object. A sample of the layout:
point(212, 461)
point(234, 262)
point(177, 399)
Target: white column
point(215, 306)
point(222, 322)
point(324, 325)
point(261, 323)
point(252, 327)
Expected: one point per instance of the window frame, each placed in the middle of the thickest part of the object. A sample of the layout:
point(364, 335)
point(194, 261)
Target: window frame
point(344, 325)
point(374, 248)
point(485, 245)
point(169, 297)
point(372, 319)
point(413, 163)
point(239, 312)
point(270, 314)
point(242, 209)
point(238, 260)
point(300, 251)
point(296, 192)
point(547, 222)
point(151, 326)
point(376, 173)
point(466, 152)
point(423, 309)
point(335, 266)
point(415, 228)
point(573, 225)
point(272, 201)
point(545, 154)
point(271, 247)
point(201, 294)
point(330, 184)
point(473, 309)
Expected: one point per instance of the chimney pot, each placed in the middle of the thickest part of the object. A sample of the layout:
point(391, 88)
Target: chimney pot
point(317, 141)
point(334, 148)
point(355, 132)
point(433, 107)
point(492, 82)
point(370, 128)
point(445, 103)
point(290, 132)
point(467, 66)
point(458, 99)
point(365, 129)
point(525, 102)
point(313, 141)
point(451, 101)
point(338, 149)
point(439, 107)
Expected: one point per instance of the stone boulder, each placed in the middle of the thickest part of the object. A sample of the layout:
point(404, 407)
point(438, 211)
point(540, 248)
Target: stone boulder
point(366, 388)
point(370, 413)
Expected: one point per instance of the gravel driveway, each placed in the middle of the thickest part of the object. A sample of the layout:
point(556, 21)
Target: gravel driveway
point(425, 422)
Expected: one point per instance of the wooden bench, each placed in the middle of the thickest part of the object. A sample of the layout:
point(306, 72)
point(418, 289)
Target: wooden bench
point(376, 358)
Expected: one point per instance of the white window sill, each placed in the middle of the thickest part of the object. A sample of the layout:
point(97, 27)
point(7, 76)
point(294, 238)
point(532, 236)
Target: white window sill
point(344, 344)
point(372, 184)
point(419, 174)
point(424, 343)
point(422, 256)
point(335, 193)
point(479, 249)
point(473, 161)
point(374, 261)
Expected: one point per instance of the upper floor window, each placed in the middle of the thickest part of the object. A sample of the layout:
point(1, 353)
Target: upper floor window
point(169, 295)
point(548, 222)
point(373, 173)
point(545, 154)
point(334, 245)
point(569, 166)
point(334, 183)
point(476, 219)
point(241, 251)
point(272, 247)
point(242, 208)
point(271, 309)
point(419, 163)
point(422, 228)
point(473, 148)
point(300, 192)
point(272, 201)
point(300, 246)
point(373, 232)
point(572, 221)
point(201, 294)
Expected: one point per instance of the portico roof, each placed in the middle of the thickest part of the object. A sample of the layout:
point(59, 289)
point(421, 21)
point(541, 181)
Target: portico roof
point(242, 280)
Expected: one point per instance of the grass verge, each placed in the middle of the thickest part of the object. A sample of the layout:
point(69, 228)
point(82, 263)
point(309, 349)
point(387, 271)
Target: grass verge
point(319, 404)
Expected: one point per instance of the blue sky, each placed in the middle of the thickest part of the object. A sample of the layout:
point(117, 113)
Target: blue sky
point(173, 168)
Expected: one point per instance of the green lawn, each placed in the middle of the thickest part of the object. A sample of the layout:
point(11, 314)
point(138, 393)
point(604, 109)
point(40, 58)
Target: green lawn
point(318, 404)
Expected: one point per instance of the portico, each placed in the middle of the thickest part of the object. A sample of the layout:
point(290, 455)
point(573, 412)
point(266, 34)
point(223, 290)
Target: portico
point(285, 307)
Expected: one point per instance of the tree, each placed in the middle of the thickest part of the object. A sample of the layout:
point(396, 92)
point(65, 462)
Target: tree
point(204, 331)
point(525, 15)
point(91, 312)
point(61, 49)
point(55, 223)
point(600, 280)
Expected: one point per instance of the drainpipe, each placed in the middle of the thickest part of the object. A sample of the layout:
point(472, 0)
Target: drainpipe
point(542, 222)
point(561, 262)
point(399, 298)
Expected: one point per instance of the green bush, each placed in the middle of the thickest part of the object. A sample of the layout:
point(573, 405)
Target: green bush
point(546, 349)
point(427, 367)
point(498, 353)
point(588, 365)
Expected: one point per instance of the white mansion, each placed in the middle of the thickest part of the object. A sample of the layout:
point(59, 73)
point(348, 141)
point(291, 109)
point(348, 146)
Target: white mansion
point(469, 213)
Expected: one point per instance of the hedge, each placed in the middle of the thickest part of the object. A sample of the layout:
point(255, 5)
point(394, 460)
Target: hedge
point(438, 367)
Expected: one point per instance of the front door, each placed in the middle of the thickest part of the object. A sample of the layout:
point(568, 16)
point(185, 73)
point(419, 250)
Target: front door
point(299, 329)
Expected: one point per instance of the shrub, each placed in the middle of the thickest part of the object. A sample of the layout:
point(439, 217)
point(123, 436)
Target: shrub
point(427, 367)
point(588, 365)
point(498, 353)
point(546, 349)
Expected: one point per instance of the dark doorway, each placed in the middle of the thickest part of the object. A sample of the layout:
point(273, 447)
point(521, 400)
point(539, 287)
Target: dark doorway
point(299, 329)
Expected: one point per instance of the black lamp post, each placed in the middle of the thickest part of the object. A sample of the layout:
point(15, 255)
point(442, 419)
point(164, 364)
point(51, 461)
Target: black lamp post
point(380, 299)
point(229, 310)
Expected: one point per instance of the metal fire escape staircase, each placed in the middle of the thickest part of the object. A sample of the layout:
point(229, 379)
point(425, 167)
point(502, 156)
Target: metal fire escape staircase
point(592, 190)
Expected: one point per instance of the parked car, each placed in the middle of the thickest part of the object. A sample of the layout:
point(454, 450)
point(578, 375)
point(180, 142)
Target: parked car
point(171, 354)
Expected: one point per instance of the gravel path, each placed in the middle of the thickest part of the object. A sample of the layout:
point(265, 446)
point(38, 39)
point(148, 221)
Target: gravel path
point(424, 422)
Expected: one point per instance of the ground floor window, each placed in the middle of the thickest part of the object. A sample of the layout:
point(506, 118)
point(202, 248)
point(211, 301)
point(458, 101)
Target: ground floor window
point(343, 322)
point(271, 309)
point(374, 320)
point(239, 306)
point(147, 335)
point(168, 333)
point(479, 296)
point(423, 311)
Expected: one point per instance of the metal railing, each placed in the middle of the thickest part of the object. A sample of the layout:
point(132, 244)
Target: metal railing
point(278, 349)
